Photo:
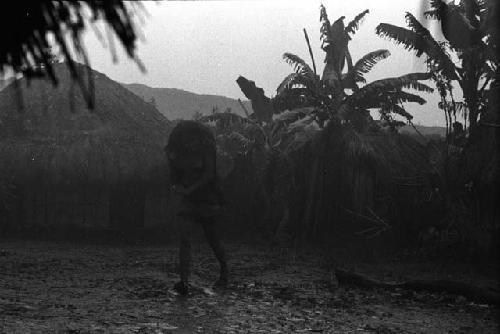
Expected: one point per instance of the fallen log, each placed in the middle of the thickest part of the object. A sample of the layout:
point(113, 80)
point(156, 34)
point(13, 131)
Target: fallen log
point(474, 293)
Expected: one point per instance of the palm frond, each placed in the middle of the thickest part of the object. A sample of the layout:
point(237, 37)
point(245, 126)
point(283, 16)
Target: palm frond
point(366, 63)
point(379, 99)
point(380, 91)
point(417, 27)
point(288, 82)
point(418, 86)
point(387, 111)
point(337, 30)
point(410, 80)
point(295, 80)
point(405, 97)
point(458, 106)
point(421, 43)
point(299, 65)
point(353, 26)
point(336, 53)
point(297, 97)
point(325, 37)
point(408, 38)
point(397, 109)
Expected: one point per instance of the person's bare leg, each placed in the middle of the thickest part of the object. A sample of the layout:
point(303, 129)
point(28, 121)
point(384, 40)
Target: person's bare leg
point(185, 255)
point(185, 226)
point(209, 227)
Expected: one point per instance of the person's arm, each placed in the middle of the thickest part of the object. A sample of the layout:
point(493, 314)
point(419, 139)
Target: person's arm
point(175, 178)
point(208, 172)
point(174, 174)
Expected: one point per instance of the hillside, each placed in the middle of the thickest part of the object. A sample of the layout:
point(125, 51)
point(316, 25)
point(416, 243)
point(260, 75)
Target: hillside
point(428, 131)
point(179, 104)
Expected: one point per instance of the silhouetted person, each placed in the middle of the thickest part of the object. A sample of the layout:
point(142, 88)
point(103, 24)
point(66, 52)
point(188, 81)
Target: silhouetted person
point(191, 153)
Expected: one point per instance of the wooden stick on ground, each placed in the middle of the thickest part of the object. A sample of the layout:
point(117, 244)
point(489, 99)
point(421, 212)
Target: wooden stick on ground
point(471, 292)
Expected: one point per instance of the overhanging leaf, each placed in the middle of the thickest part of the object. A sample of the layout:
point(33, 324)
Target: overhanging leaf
point(419, 40)
point(354, 24)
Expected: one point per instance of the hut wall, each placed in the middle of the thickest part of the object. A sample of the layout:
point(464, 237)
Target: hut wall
point(39, 207)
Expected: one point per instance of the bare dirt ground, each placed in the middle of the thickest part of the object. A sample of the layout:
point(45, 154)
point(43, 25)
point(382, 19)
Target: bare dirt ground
point(50, 287)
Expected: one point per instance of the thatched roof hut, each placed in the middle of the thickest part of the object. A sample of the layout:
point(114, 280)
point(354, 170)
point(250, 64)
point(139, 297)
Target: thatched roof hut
point(344, 181)
point(47, 133)
point(72, 165)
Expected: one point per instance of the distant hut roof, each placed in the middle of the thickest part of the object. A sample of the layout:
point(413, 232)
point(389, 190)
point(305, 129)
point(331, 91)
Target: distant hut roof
point(47, 133)
point(392, 157)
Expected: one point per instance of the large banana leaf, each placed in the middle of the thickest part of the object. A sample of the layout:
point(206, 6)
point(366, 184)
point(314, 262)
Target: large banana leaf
point(397, 109)
point(410, 80)
point(261, 104)
point(298, 64)
point(354, 24)
point(311, 82)
point(420, 40)
point(337, 50)
point(363, 66)
point(325, 28)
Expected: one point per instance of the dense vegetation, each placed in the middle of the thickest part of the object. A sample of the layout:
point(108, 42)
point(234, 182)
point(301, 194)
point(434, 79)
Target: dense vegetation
point(315, 163)
point(324, 158)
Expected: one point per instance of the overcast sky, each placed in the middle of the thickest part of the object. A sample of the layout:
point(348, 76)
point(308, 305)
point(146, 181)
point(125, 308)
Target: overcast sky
point(203, 46)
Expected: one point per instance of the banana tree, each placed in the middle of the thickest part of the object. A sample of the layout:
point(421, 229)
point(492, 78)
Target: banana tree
point(249, 148)
point(342, 91)
point(470, 38)
point(312, 107)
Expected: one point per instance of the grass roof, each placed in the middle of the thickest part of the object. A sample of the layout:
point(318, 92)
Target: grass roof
point(48, 132)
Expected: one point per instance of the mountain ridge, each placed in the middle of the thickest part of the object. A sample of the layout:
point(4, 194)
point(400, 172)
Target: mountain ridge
point(176, 108)
point(175, 103)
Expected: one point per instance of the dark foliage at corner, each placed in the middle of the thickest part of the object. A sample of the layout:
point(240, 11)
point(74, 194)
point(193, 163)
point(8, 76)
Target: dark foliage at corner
point(28, 27)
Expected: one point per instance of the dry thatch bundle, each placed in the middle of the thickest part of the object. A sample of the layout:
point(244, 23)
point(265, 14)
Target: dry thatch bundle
point(52, 137)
